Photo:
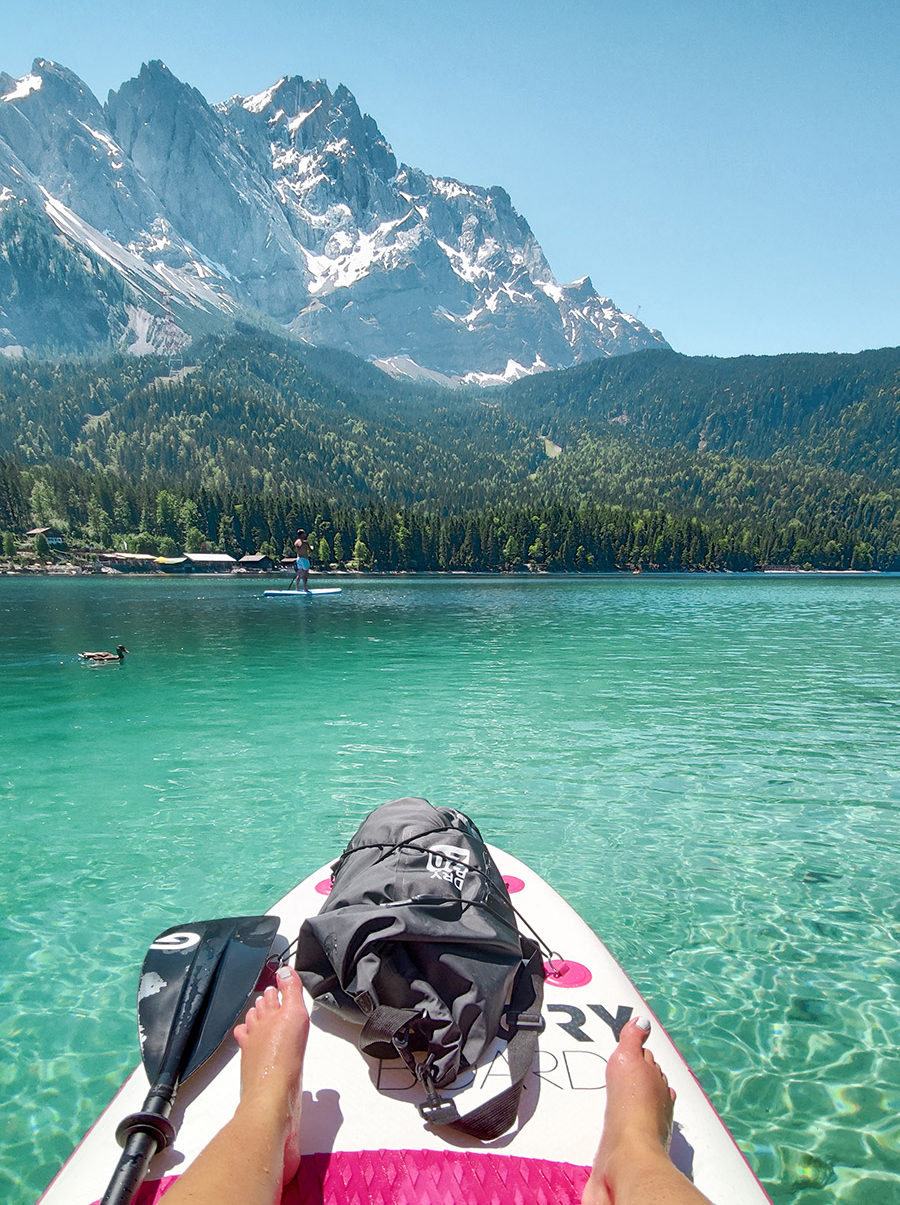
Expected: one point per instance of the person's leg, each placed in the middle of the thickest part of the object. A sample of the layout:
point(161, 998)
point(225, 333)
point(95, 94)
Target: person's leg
point(258, 1151)
point(632, 1166)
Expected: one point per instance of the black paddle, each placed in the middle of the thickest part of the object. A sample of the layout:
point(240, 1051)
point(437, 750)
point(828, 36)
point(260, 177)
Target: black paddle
point(195, 981)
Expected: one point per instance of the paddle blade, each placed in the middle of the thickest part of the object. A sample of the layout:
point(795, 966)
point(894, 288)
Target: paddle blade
point(195, 980)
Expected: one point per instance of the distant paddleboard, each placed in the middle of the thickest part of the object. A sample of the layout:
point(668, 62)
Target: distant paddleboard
point(302, 593)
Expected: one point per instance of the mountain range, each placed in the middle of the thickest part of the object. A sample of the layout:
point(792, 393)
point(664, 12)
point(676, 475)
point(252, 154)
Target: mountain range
point(156, 217)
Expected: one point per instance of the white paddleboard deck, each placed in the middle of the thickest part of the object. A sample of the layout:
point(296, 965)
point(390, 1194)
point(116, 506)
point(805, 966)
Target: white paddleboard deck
point(361, 1135)
point(302, 593)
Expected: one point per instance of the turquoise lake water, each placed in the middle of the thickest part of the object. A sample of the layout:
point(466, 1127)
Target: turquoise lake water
point(706, 768)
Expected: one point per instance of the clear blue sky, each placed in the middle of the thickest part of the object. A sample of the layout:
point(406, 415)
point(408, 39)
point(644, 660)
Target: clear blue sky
point(728, 166)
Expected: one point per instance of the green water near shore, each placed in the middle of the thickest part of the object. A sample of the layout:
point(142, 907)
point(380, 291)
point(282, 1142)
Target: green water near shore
point(706, 768)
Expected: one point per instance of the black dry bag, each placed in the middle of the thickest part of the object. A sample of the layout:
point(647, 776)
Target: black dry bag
point(418, 942)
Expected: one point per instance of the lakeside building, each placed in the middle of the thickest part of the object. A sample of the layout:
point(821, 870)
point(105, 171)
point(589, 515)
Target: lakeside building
point(53, 537)
point(210, 562)
point(256, 562)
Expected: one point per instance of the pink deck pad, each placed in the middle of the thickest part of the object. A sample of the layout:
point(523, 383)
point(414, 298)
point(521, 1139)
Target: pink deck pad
point(433, 1178)
point(421, 1178)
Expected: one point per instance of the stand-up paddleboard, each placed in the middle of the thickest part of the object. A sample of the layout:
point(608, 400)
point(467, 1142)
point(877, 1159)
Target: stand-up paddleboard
point(302, 593)
point(361, 1135)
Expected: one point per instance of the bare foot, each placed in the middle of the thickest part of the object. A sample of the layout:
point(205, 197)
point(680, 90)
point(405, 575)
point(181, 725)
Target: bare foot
point(272, 1038)
point(638, 1122)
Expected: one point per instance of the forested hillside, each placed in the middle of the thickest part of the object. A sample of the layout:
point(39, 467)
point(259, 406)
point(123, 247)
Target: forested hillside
point(653, 460)
point(839, 411)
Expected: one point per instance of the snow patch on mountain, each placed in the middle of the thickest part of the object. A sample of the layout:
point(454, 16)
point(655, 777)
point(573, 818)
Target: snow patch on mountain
point(24, 87)
point(142, 325)
point(403, 366)
point(153, 281)
point(262, 100)
point(298, 119)
point(113, 151)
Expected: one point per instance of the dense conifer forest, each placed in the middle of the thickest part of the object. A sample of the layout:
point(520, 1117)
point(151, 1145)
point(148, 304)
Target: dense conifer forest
point(651, 461)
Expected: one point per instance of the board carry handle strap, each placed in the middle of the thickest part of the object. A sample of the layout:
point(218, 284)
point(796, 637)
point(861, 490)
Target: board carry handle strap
point(391, 1026)
point(525, 1022)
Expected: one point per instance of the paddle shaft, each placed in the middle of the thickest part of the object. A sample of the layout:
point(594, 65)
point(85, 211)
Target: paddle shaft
point(142, 1135)
point(140, 1147)
point(130, 1170)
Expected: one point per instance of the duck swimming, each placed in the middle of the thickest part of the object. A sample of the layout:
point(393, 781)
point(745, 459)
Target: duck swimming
point(106, 658)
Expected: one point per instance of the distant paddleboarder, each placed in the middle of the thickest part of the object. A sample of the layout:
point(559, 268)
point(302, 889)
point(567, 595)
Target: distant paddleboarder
point(303, 549)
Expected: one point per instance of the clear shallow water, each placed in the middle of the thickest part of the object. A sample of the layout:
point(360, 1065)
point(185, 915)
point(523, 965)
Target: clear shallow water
point(706, 768)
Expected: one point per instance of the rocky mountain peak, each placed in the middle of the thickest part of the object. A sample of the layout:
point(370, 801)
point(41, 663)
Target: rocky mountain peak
point(292, 202)
point(46, 99)
point(580, 291)
point(154, 102)
point(59, 85)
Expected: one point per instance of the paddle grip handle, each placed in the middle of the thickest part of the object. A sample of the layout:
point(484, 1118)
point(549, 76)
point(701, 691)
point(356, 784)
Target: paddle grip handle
point(131, 1168)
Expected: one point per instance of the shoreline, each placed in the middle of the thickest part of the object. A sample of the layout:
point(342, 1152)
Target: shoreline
point(71, 570)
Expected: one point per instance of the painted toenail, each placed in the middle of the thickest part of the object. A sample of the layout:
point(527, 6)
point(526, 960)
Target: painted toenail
point(285, 973)
point(641, 1022)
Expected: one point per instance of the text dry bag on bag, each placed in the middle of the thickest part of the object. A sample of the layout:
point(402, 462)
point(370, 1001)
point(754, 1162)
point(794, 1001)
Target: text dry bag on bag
point(418, 942)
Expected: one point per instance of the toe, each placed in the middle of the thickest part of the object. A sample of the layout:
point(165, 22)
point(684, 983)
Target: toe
point(633, 1036)
point(288, 983)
